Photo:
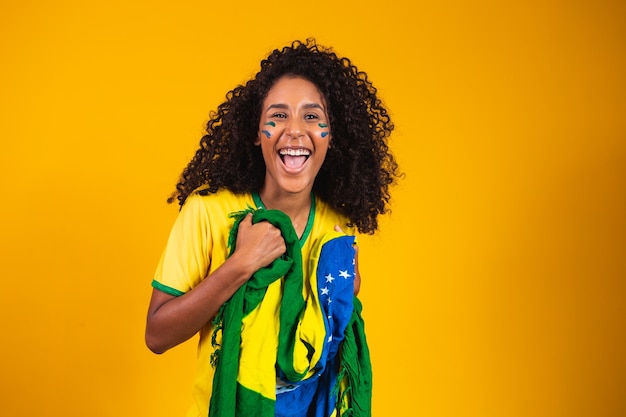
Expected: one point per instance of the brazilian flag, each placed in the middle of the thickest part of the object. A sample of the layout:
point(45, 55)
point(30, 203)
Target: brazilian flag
point(289, 347)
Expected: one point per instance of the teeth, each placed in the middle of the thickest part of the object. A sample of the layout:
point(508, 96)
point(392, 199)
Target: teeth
point(295, 152)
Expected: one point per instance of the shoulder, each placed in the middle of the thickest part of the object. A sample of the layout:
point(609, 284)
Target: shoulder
point(326, 218)
point(203, 210)
point(221, 202)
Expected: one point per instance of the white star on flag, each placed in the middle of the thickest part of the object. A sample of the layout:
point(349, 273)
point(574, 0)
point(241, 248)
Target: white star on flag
point(329, 278)
point(325, 291)
point(344, 274)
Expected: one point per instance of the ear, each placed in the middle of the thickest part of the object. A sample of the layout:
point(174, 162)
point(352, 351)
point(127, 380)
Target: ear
point(257, 141)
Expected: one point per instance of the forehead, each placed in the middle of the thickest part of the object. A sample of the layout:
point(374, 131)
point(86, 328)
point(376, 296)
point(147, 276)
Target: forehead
point(294, 88)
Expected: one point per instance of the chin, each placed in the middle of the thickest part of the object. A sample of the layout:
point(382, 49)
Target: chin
point(296, 187)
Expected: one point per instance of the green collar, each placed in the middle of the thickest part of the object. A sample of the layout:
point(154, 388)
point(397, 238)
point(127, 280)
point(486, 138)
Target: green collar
point(309, 223)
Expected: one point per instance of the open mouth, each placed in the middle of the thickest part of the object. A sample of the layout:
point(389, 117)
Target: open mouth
point(294, 158)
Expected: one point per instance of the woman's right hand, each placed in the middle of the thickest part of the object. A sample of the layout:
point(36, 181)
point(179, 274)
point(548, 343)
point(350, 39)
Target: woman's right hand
point(258, 244)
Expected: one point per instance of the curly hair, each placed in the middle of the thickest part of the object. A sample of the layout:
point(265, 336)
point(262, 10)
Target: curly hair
point(359, 166)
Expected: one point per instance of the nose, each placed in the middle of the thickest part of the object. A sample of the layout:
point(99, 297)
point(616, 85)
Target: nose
point(295, 129)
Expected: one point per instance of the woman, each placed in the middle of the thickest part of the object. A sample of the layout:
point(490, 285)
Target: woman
point(303, 141)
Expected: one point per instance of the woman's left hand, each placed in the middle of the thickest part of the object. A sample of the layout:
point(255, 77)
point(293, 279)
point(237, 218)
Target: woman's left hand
point(357, 275)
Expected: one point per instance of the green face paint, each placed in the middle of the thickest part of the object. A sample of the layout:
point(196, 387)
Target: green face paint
point(267, 132)
point(323, 126)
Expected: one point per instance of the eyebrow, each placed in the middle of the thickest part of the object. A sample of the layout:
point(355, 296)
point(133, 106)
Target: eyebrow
point(284, 106)
point(313, 106)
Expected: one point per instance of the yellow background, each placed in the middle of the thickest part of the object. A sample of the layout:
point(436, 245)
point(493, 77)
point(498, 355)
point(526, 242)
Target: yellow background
point(495, 287)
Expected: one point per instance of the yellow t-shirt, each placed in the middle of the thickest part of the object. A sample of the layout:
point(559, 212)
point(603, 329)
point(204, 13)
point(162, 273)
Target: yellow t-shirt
point(197, 246)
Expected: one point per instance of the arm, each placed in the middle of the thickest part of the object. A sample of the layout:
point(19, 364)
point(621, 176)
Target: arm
point(172, 320)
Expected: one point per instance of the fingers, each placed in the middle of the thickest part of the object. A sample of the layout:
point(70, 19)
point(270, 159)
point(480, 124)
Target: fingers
point(357, 274)
point(259, 244)
point(246, 221)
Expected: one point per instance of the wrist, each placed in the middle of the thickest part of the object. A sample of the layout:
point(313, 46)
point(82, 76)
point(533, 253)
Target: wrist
point(241, 268)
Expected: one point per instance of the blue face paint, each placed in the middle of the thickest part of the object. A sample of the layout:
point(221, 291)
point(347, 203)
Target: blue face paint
point(323, 126)
point(267, 132)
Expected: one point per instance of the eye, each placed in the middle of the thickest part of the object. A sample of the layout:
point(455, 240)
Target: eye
point(311, 116)
point(279, 116)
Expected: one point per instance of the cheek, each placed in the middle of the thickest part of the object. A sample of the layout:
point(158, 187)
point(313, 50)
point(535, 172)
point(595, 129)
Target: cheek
point(324, 129)
point(267, 129)
point(322, 144)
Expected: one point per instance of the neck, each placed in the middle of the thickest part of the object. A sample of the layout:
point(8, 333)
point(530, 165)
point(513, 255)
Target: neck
point(296, 206)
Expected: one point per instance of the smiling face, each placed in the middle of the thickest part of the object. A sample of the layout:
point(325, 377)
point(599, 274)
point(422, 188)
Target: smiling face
point(294, 134)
